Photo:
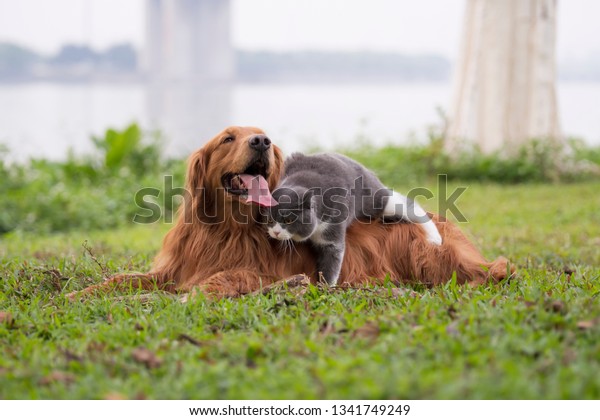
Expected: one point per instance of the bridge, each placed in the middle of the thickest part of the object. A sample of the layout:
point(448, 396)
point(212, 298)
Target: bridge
point(188, 40)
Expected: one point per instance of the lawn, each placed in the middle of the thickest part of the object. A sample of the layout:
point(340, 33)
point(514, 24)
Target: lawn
point(536, 337)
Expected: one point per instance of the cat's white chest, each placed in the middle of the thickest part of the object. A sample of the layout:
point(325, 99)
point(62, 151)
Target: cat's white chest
point(318, 235)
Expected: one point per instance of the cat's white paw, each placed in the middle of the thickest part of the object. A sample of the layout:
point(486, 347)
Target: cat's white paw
point(433, 235)
point(434, 239)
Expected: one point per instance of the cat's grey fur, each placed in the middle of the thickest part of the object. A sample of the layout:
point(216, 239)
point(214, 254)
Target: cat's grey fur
point(321, 195)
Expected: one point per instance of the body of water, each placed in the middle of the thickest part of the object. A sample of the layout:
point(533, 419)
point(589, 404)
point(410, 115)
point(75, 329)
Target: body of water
point(46, 120)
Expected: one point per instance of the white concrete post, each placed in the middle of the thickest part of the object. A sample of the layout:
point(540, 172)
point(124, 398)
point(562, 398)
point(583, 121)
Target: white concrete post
point(505, 81)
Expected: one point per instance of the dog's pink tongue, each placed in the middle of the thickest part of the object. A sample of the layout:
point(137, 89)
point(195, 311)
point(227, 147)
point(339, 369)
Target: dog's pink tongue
point(258, 190)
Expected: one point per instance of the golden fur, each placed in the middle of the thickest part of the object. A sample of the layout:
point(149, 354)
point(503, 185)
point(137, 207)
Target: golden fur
point(218, 246)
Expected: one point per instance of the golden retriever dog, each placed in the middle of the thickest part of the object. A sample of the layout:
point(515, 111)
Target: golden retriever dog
point(219, 246)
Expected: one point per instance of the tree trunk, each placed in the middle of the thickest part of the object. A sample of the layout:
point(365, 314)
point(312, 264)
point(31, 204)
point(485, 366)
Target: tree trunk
point(505, 83)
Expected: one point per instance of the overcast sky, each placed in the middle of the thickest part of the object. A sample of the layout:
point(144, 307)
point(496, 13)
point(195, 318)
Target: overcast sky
point(424, 26)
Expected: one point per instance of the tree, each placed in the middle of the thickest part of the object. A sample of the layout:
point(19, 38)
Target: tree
point(74, 54)
point(16, 61)
point(121, 57)
point(505, 83)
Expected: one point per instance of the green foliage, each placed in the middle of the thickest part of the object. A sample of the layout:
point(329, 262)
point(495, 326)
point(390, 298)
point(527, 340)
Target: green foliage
point(126, 149)
point(98, 191)
point(584, 153)
point(535, 161)
point(537, 337)
point(88, 192)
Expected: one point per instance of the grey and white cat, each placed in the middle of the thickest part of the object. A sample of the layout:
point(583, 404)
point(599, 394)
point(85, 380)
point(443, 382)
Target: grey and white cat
point(322, 194)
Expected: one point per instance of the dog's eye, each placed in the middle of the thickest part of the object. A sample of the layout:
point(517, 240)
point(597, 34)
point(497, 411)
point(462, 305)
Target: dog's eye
point(228, 139)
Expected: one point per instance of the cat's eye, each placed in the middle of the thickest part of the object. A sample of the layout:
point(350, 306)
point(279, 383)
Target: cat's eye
point(228, 139)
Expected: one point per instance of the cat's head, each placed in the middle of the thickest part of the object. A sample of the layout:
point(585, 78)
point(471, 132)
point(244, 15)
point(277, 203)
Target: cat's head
point(294, 217)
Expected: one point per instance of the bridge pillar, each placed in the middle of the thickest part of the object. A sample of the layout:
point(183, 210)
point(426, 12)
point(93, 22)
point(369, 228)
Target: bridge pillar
point(188, 40)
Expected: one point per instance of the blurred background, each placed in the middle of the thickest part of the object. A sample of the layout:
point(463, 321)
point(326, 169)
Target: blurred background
point(491, 105)
point(311, 73)
point(101, 98)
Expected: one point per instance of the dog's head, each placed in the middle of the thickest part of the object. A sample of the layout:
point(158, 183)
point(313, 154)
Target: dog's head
point(240, 164)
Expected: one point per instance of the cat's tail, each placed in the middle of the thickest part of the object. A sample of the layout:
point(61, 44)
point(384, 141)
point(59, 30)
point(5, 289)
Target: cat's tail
point(400, 206)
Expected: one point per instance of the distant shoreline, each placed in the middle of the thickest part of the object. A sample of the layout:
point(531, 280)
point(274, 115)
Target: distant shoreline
point(122, 64)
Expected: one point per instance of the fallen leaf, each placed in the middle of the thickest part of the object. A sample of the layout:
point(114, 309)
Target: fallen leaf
point(57, 376)
point(72, 357)
point(369, 330)
point(558, 306)
point(585, 325)
point(114, 396)
point(145, 356)
point(6, 317)
point(96, 347)
point(191, 340)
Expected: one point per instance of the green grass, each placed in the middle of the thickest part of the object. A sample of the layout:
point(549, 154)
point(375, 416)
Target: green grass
point(537, 337)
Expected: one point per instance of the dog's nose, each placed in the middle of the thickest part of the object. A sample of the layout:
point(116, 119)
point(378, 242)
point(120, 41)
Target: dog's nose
point(260, 142)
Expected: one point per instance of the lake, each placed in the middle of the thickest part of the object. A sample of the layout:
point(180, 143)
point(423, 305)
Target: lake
point(46, 119)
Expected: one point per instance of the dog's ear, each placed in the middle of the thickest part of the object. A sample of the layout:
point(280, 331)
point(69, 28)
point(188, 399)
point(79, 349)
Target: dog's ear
point(196, 171)
point(199, 196)
point(277, 171)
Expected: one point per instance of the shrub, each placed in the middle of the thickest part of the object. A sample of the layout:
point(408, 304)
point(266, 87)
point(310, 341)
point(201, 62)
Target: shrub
point(97, 191)
point(89, 192)
point(535, 161)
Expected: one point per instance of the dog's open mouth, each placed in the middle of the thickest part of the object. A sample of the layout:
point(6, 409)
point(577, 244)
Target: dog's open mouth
point(250, 186)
